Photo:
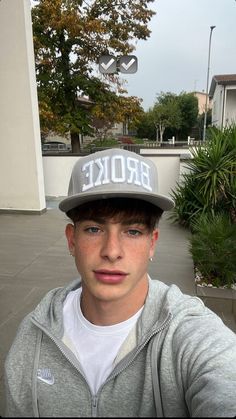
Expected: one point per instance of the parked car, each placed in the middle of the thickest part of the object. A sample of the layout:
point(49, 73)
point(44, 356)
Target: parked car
point(55, 146)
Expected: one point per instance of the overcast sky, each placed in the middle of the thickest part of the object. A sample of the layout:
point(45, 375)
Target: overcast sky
point(175, 57)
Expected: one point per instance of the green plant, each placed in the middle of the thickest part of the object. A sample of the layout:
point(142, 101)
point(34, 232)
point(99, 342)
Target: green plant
point(189, 203)
point(138, 140)
point(209, 186)
point(107, 142)
point(205, 201)
point(213, 248)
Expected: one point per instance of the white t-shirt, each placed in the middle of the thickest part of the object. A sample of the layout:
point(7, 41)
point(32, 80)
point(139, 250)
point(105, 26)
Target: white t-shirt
point(95, 347)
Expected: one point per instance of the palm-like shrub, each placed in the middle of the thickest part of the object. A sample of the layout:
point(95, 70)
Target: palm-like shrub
point(205, 201)
point(189, 202)
point(213, 248)
point(209, 186)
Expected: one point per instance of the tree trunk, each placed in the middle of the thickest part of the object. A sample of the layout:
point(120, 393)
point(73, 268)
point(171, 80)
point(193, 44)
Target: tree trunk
point(75, 142)
point(162, 129)
point(157, 134)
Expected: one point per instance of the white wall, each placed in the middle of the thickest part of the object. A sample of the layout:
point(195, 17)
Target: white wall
point(21, 169)
point(224, 106)
point(230, 112)
point(168, 168)
point(175, 151)
point(57, 171)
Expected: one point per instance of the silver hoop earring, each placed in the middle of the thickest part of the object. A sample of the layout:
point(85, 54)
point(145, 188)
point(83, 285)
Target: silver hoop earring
point(151, 259)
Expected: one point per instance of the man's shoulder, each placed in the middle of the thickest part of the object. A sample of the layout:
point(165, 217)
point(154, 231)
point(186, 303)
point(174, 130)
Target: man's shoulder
point(168, 300)
point(188, 313)
point(172, 296)
point(51, 300)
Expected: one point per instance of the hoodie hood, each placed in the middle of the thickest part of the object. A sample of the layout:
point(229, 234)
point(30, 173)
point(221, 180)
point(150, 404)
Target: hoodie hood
point(161, 302)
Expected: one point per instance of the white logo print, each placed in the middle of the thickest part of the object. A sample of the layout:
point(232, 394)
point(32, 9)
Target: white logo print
point(116, 169)
point(45, 375)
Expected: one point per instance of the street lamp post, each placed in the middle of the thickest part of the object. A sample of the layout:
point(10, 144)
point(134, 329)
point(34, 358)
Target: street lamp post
point(208, 70)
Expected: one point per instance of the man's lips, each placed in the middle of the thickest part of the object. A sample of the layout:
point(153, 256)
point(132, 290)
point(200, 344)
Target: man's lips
point(110, 276)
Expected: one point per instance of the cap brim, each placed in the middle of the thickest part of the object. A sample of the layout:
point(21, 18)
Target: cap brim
point(161, 201)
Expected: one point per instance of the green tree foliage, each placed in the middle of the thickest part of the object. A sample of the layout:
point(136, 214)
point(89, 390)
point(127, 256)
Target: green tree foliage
point(145, 127)
point(69, 37)
point(173, 114)
point(188, 105)
point(166, 113)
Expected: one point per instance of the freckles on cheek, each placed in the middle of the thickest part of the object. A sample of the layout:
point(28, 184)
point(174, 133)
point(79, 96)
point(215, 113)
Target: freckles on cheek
point(85, 248)
point(142, 248)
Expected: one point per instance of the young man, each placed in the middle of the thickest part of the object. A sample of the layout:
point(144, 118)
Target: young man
point(116, 343)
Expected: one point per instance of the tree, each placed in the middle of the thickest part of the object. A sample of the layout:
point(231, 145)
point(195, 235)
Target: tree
point(188, 105)
point(69, 37)
point(172, 114)
point(166, 113)
point(146, 128)
point(119, 109)
point(131, 112)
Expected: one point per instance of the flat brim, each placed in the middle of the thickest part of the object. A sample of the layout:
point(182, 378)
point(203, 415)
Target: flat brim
point(161, 201)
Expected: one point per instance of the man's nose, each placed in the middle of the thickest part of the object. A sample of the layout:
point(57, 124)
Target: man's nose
point(112, 248)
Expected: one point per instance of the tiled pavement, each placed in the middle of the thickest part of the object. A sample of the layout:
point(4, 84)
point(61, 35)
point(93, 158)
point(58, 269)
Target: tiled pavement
point(34, 258)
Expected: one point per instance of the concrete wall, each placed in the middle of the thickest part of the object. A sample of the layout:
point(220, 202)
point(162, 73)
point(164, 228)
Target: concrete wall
point(21, 169)
point(57, 171)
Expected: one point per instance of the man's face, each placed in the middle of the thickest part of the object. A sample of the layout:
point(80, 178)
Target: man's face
point(111, 257)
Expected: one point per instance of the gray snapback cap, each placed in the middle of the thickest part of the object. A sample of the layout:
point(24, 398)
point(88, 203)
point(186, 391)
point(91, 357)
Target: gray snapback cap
point(114, 173)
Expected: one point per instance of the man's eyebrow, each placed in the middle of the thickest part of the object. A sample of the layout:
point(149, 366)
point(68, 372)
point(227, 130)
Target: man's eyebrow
point(133, 221)
point(103, 221)
point(98, 220)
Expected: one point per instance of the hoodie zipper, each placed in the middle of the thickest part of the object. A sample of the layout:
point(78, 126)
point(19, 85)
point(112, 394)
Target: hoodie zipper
point(94, 406)
point(127, 364)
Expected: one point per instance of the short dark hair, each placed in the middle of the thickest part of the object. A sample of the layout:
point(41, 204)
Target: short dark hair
point(122, 209)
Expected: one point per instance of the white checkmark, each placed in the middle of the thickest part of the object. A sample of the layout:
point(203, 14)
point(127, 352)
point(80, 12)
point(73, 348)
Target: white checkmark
point(106, 66)
point(128, 65)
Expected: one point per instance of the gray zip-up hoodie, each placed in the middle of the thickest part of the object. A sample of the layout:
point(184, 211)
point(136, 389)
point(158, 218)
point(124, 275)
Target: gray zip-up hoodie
point(195, 363)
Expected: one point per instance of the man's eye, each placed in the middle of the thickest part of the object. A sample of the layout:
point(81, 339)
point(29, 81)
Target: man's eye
point(92, 229)
point(134, 232)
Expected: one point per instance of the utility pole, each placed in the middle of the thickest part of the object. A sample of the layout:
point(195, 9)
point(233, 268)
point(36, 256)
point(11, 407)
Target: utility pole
point(208, 70)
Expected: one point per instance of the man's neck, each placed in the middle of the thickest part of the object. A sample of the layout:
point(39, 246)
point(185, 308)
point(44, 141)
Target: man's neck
point(107, 313)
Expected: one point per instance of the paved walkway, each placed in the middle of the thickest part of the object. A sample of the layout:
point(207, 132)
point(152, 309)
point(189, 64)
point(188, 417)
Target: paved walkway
point(34, 258)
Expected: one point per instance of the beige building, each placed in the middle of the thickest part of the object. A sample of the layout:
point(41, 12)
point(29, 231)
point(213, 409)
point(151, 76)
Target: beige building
point(201, 97)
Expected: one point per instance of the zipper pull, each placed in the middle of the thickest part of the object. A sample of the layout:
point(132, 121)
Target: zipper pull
point(94, 406)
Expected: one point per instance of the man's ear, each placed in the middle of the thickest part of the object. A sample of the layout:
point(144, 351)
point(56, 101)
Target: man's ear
point(70, 235)
point(154, 238)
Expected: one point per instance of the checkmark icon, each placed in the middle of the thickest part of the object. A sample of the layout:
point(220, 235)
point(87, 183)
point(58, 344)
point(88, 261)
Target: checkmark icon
point(125, 64)
point(107, 64)
point(128, 64)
